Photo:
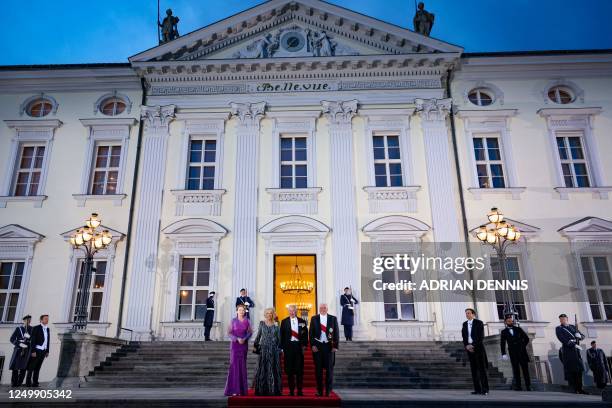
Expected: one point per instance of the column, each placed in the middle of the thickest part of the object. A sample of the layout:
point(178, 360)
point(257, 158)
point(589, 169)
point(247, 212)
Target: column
point(141, 290)
point(345, 240)
point(244, 256)
point(442, 196)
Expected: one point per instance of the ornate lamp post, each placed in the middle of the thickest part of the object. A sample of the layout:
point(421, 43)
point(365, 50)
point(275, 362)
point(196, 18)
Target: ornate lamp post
point(499, 234)
point(90, 240)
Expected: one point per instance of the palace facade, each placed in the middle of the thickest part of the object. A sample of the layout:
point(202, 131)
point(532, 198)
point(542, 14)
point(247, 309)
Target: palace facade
point(290, 134)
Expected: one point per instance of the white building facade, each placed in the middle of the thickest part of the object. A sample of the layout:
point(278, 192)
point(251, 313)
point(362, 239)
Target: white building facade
point(296, 128)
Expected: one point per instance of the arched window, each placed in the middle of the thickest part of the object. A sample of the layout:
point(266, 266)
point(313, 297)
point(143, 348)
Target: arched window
point(480, 97)
point(112, 106)
point(39, 107)
point(561, 95)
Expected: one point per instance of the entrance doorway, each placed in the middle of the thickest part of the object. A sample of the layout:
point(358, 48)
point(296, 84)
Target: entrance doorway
point(293, 272)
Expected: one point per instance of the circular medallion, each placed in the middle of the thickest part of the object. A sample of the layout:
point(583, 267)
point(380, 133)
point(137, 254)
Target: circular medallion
point(293, 41)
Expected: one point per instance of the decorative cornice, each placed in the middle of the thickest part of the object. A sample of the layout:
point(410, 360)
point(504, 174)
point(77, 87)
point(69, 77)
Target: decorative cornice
point(249, 114)
point(339, 112)
point(157, 118)
point(486, 113)
point(432, 110)
point(109, 122)
point(546, 112)
point(33, 124)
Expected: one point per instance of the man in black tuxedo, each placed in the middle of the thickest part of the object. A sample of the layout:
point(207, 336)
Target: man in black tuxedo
point(245, 301)
point(473, 337)
point(41, 338)
point(324, 339)
point(294, 340)
point(209, 315)
point(517, 341)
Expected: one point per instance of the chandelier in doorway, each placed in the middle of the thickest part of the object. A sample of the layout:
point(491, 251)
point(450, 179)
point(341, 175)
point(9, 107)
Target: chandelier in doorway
point(301, 307)
point(297, 285)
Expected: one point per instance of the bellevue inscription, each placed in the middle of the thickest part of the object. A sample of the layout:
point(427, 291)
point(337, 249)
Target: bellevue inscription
point(293, 86)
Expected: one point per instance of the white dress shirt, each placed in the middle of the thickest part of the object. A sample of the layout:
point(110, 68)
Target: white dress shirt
point(469, 327)
point(294, 327)
point(46, 334)
point(511, 331)
point(323, 320)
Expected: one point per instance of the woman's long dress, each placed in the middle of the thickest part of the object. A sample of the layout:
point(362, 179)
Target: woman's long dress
point(268, 376)
point(237, 383)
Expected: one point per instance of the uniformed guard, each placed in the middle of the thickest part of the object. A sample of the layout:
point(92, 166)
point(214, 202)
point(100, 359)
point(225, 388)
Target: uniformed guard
point(209, 316)
point(573, 366)
point(21, 352)
point(596, 358)
point(245, 301)
point(348, 302)
point(517, 341)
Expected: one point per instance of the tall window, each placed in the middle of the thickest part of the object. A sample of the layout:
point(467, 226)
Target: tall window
point(573, 160)
point(96, 290)
point(399, 305)
point(193, 288)
point(489, 163)
point(201, 166)
point(598, 281)
point(28, 170)
point(387, 161)
point(11, 274)
point(293, 162)
point(514, 274)
point(105, 170)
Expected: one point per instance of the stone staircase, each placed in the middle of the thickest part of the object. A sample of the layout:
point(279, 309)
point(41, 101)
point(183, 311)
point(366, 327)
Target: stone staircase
point(358, 365)
point(414, 364)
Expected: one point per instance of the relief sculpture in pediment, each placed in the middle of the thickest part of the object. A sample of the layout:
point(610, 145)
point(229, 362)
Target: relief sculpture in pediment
point(294, 41)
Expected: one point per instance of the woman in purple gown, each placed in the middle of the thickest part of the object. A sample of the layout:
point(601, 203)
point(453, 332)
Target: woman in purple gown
point(239, 332)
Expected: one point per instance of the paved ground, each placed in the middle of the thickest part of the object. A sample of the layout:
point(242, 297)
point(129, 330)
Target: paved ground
point(463, 398)
point(174, 397)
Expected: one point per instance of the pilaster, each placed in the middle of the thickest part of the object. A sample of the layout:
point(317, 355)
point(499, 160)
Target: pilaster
point(146, 232)
point(345, 250)
point(442, 196)
point(244, 260)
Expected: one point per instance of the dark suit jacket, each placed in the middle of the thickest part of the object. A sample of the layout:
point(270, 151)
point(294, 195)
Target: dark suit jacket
point(332, 330)
point(210, 312)
point(348, 315)
point(38, 338)
point(517, 343)
point(285, 333)
point(240, 301)
point(477, 333)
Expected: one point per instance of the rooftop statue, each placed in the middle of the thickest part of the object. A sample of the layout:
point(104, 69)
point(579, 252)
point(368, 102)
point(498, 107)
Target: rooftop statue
point(169, 27)
point(423, 20)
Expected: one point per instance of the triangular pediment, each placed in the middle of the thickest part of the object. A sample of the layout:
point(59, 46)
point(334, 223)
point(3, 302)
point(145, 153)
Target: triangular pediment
point(14, 232)
point(303, 28)
point(588, 225)
point(117, 236)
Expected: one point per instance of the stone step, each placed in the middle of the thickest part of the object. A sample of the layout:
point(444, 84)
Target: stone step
point(358, 365)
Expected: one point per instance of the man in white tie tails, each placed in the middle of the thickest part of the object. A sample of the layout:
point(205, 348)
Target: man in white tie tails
point(294, 340)
point(324, 339)
point(41, 337)
point(473, 336)
point(517, 341)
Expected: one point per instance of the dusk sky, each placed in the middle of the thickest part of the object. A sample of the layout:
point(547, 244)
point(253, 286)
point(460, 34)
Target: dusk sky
point(69, 31)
